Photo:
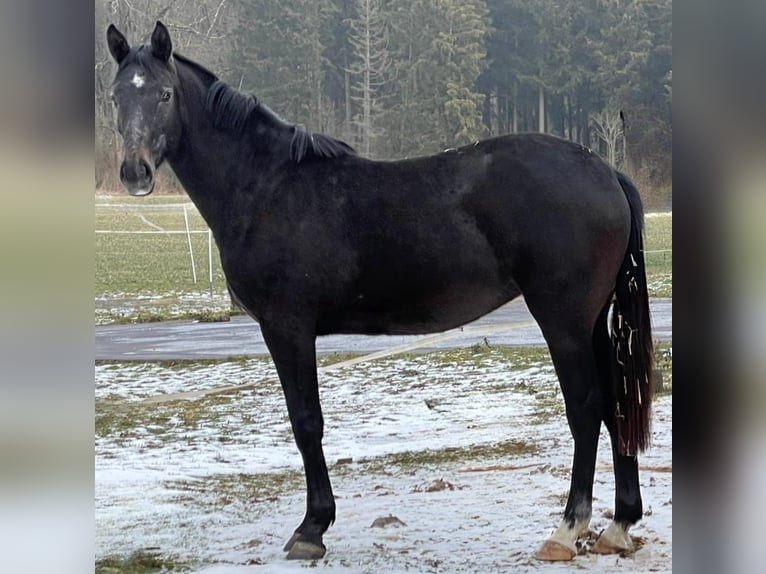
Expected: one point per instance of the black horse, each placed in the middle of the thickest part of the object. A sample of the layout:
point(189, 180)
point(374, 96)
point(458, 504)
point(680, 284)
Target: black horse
point(316, 240)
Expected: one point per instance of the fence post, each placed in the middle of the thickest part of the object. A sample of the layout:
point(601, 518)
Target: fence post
point(191, 251)
point(210, 260)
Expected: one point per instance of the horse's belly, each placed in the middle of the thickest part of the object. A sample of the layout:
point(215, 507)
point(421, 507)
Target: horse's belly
point(427, 315)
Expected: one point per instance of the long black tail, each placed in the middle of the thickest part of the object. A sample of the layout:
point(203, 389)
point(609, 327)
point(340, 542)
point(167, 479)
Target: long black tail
point(631, 334)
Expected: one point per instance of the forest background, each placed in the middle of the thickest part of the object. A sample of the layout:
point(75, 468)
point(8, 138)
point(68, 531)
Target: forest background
point(402, 78)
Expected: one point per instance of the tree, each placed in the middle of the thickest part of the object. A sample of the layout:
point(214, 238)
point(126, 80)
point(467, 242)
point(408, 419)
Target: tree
point(279, 56)
point(461, 54)
point(608, 128)
point(413, 112)
point(429, 74)
point(368, 36)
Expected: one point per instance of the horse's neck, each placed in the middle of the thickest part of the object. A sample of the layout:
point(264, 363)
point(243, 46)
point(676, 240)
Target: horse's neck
point(221, 169)
point(190, 166)
point(211, 166)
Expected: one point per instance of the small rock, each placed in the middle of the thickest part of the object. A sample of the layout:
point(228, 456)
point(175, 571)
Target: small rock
point(348, 460)
point(384, 521)
point(438, 485)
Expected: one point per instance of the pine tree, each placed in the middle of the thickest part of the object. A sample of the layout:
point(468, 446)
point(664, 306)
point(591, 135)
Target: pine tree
point(414, 107)
point(460, 48)
point(280, 56)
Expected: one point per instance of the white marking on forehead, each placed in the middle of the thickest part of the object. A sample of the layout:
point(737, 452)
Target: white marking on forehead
point(137, 81)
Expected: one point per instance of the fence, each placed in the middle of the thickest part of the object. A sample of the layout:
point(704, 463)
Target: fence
point(142, 247)
point(658, 258)
point(156, 247)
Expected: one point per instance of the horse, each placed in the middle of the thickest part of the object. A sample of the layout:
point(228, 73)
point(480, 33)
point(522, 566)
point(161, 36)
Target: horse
point(315, 240)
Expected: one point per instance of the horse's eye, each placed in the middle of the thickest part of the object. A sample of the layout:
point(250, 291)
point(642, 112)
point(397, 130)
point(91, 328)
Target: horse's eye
point(166, 95)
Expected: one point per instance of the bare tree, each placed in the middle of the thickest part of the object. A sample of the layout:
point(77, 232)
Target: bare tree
point(369, 37)
point(608, 128)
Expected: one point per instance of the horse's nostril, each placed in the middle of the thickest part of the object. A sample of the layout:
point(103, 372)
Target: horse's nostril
point(145, 170)
point(137, 171)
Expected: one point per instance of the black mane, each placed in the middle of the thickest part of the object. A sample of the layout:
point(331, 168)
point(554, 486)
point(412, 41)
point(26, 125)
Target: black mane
point(228, 107)
point(231, 109)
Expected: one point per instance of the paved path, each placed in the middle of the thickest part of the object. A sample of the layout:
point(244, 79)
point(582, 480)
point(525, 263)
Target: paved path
point(511, 325)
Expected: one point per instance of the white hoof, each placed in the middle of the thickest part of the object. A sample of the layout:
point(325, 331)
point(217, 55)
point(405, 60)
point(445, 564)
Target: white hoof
point(614, 540)
point(561, 544)
point(552, 551)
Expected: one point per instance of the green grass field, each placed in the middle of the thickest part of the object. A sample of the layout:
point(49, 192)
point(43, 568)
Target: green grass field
point(149, 277)
point(155, 264)
point(659, 254)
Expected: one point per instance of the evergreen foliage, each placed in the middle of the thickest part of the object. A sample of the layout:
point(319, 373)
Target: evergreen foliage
point(399, 78)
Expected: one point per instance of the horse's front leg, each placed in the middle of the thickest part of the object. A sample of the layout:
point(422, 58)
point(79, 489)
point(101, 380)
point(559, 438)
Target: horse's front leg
point(293, 351)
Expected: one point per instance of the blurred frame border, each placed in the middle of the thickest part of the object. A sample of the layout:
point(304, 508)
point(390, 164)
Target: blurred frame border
point(46, 286)
point(720, 285)
point(46, 297)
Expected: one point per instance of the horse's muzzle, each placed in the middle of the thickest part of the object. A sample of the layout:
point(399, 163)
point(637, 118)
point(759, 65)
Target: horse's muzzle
point(137, 175)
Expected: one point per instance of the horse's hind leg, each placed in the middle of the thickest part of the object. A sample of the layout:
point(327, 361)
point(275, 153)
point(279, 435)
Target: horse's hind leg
point(627, 504)
point(294, 355)
point(569, 337)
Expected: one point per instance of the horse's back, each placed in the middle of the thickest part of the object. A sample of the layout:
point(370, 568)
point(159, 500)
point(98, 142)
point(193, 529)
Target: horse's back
point(442, 240)
point(427, 244)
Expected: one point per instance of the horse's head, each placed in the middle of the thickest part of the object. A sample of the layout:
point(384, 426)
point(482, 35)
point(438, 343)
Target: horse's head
point(145, 92)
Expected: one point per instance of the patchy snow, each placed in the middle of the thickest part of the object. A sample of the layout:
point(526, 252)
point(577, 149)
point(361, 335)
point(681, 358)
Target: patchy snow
point(217, 483)
point(109, 308)
point(662, 283)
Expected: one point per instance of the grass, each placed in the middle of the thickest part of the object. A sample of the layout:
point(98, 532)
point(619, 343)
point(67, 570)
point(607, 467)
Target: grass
point(659, 256)
point(412, 460)
point(663, 360)
point(247, 490)
point(144, 278)
point(243, 493)
point(146, 561)
point(118, 418)
point(520, 357)
point(157, 263)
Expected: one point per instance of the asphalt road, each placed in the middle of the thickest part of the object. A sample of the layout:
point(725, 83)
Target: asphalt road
point(510, 325)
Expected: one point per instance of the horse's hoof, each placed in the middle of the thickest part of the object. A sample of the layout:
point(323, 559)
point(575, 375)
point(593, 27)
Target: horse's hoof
point(302, 550)
point(552, 551)
point(291, 542)
point(614, 540)
point(603, 546)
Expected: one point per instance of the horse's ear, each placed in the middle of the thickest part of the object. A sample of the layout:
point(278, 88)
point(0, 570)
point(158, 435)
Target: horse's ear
point(118, 45)
point(162, 47)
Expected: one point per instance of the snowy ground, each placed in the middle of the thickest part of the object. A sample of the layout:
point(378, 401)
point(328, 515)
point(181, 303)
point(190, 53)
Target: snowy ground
point(113, 307)
point(216, 484)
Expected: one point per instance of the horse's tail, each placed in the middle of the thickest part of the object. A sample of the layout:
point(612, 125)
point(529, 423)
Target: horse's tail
point(631, 335)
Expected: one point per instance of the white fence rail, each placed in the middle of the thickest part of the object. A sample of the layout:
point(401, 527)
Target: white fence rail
point(184, 208)
point(138, 210)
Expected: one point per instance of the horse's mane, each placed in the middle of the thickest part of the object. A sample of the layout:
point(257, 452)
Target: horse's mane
point(228, 107)
point(231, 109)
